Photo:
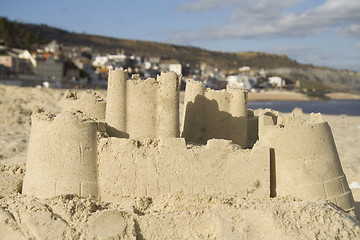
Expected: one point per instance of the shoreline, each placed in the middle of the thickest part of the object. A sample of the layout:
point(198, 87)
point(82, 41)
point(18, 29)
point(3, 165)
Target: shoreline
point(342, 96)
point(279, 95)
point(283, 95)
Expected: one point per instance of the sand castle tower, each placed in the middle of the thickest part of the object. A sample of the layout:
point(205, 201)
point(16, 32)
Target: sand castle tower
point(214, 114)
point(61, 155)
point(304, 159)
point(143, 108)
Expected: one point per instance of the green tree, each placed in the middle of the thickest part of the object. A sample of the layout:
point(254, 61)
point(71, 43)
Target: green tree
point(14, 35)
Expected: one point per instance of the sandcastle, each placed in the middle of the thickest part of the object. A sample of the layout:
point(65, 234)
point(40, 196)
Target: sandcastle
point(139, 149)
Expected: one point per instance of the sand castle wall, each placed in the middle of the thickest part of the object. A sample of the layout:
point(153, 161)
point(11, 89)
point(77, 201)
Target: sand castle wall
point(142, 109)
point(214, 114)
point(305, 159)
point(88, 102)
point(252, 128)
point(61, 155)
point(160, 167)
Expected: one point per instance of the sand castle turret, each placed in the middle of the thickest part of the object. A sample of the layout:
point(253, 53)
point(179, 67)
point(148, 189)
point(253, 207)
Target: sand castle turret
point(304, 159)
point(214, 114)
point(143, 108)
point(88, 102)
point(61, 155)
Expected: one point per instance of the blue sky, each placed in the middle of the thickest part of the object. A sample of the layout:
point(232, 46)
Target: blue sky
point(320, 32)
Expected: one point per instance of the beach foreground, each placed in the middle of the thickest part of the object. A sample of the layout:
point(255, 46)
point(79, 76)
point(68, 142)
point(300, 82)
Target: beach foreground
point(173, 216)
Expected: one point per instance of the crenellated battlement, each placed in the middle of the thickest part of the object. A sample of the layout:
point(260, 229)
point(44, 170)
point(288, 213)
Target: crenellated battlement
point(143, 108)
point(214, 114)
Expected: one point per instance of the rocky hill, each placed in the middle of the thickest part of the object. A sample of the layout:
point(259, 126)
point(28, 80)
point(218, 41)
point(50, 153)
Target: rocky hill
point(321, 78)
point(310, 76)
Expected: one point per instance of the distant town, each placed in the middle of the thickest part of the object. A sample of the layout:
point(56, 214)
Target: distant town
point(57, 66)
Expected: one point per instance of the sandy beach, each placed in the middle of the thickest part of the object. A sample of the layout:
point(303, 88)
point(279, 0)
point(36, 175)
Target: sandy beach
point(171, 216)
point(277, 95)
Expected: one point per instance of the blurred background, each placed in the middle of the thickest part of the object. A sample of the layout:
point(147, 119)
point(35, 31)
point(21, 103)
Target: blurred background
point(304, 46)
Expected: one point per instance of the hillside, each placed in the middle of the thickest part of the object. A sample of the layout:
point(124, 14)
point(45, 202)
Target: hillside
point(15, 35)
point(192, 55)
point(309, 75)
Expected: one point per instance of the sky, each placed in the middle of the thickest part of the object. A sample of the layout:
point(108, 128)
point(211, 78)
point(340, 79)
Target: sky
point(319, 32)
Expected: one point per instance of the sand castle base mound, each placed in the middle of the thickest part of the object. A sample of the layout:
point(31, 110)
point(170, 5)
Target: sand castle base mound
point(173, 217)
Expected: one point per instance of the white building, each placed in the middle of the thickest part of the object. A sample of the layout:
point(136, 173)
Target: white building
point(239, 80)
point(176, 67)
point(244, 69)
point(52, 47)
point(276, 81)
point(28, 56)
point(100, 61)
point(117, 57)
point(147, 64)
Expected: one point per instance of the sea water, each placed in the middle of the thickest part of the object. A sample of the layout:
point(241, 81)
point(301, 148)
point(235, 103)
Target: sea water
point(333, 107)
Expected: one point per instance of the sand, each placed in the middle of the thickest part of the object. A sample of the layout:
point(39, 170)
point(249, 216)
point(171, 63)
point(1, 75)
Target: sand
point(342, 96)
point(278, 95)
point(171, 216)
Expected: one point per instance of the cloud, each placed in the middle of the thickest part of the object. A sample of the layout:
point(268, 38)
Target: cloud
point(319, 56)
point(358, 45)
point(202, 5)
point(255, 11)
point(352, 30)
point(271, 19)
